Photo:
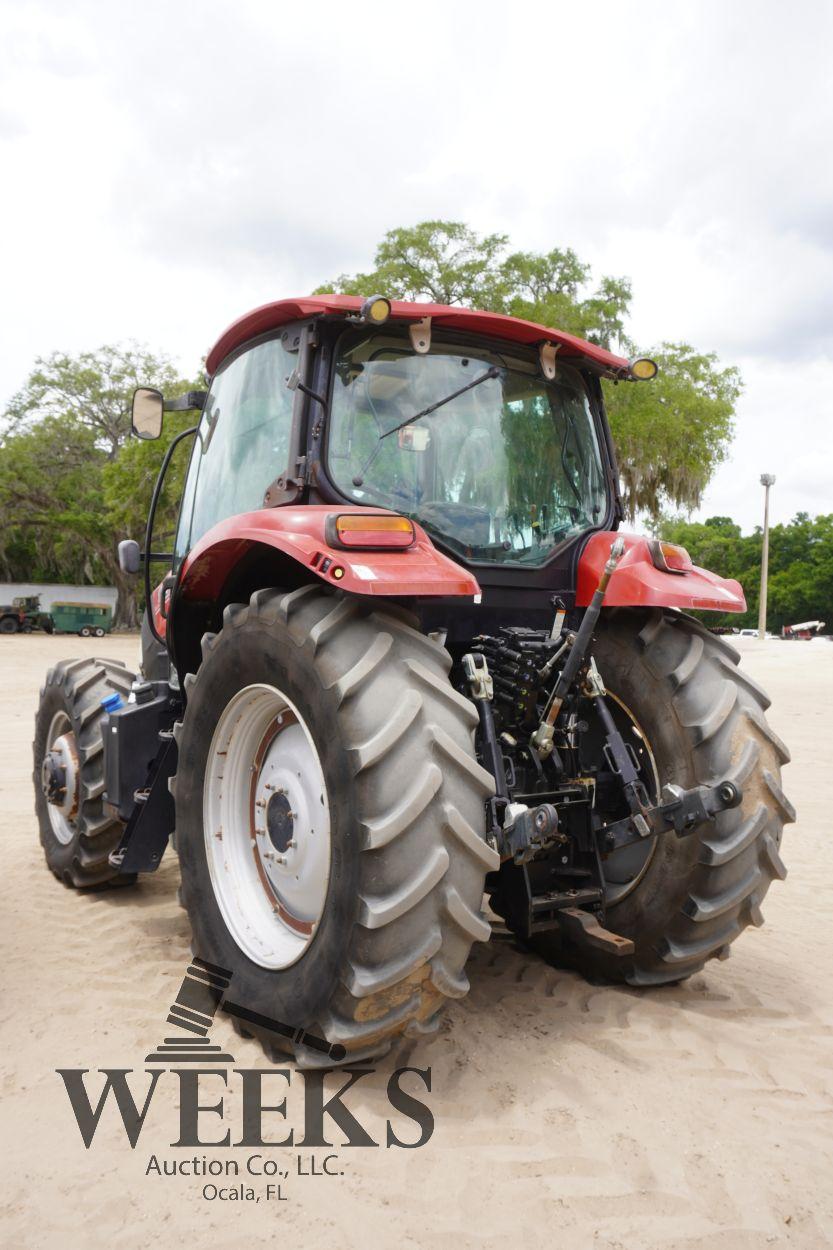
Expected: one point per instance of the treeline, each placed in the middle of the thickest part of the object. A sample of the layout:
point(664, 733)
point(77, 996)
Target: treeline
point(73, 482)
point(800, 565)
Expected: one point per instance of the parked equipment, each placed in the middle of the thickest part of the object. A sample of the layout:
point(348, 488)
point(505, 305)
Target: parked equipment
point(805, 630)
point(34, 618)
point(87, 619)
point(402, 655)
point(23, 615)
point(12, 618)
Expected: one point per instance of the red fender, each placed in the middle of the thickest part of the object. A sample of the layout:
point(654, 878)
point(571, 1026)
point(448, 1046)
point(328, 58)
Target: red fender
point(300, 533)
point(638, 583)
point(160, 621)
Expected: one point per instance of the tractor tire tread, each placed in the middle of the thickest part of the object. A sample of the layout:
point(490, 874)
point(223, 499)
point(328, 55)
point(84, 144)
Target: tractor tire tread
point(81, 685)
point(423, 857)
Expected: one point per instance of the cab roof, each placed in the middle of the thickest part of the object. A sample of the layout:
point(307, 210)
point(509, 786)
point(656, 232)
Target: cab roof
point(495, 325)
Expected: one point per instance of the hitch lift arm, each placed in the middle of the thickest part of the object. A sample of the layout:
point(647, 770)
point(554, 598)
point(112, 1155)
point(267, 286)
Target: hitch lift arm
point(517, 832)
point(680, 810)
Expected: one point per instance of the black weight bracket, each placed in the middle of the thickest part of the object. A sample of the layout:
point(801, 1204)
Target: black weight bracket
point(151, 823)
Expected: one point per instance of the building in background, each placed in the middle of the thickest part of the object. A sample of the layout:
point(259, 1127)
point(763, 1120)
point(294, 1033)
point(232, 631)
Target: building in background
point(56, 592)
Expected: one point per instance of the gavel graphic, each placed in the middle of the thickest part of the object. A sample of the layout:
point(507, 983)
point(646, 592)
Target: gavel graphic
point(194, 1008)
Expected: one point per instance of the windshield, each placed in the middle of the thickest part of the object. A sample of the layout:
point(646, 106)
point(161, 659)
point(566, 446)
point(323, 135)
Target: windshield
point(503, 472)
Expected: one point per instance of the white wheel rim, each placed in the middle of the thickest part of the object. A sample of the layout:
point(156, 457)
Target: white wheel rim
point(266, 818)
point(61, 740)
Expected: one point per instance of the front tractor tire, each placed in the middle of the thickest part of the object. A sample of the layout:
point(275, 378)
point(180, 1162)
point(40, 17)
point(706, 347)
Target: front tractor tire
point(77, 832)
point(703, 719)
point(330, 821)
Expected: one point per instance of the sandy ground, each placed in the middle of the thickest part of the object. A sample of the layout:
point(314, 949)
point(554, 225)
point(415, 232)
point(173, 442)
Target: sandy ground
point(691, 1116)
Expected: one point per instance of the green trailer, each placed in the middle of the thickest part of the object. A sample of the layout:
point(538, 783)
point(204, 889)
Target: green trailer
point(86, 619)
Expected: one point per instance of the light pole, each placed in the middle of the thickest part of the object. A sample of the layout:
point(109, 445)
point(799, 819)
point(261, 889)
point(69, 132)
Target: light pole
point(767, 480)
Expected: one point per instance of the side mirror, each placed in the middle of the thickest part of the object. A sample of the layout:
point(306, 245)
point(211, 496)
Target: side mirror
point(129, 555)
point(148, 406)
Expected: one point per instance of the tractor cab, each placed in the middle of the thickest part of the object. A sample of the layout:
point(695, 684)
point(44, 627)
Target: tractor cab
point(495, 447)
point(487, 432)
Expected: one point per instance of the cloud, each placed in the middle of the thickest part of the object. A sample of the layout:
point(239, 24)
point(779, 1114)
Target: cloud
point(785, 427)
point(173, 164)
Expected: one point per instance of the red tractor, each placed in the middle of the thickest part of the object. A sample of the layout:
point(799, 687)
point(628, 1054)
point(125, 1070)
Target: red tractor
point(404, 658)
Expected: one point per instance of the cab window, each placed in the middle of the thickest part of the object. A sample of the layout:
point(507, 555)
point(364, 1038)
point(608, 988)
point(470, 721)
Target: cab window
point(242, 443)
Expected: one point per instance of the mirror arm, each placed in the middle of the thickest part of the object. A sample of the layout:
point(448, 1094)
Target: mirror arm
point(190, 401)
point(157, 491)
point(130, 557)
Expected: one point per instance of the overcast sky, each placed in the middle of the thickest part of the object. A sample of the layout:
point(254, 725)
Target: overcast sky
point(167, 166)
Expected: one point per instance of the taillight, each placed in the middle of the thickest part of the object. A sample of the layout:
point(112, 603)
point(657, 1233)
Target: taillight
point(670, 558)
point(370, 531)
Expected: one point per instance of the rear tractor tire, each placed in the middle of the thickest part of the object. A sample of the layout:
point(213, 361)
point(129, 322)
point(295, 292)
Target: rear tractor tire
point(76, 831)
point(330, 822)
point(703, 720)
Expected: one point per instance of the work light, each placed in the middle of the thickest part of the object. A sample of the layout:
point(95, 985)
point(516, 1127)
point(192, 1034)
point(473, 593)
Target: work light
point(642, 369)
point(375, 310)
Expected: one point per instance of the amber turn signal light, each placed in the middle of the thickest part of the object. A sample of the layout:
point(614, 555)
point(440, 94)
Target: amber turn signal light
point(371, 532)
point(670, 558)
